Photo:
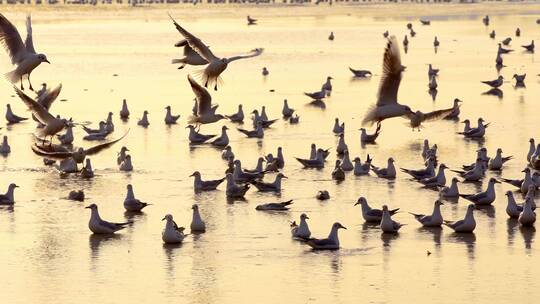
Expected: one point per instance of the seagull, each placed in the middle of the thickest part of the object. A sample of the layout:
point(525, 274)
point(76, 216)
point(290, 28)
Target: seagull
point(11, 118)
point(520, 79)
point(327, 86)
point(507, 41)
point(322, 195)
point(389, 172)
point(274, 206)
point(286, 112)
point(67, 138)
point(425, 22)
point(87, 171)
point(100, 130)
point(483, 198)
point(413, 33)
point(233, 190)
point(196, 137)
point(438, 180)
point(485, 20)
point(197, 224)
point(455, 110)
point(208, 185)
point(418, 117)
point(317, 96)
point(346, 164)
point(76, 195)
point(387, 224)
point(258, 167)
point(496, 163)
point(243, 176)
point(294, 119)
point(222, 140)
point(492, 34)
point(263, 119)
point(99, 226)
point(475, 174)
point(512, 208)
point(465, 225)
point(502, 50)
point(238, 116)
point(372, 215)
point(529, 47)
point(269, 187)
point(385, 34)
point(436, 42)
point(338, 128)
point(206, 112)
point(361, 73)
point(420, 174)
point(124, 112)
point(331, 37)
point(144, 120)
point(432, 72)
point(216, 65)
point(522, 184)
point(527, 217)
point(450, 192)
point(121, 155)
point(68, 165)
point(131, 203)
point(317, 162)
point(387, 105)
point(251, 21)
point(362, 169)
point(5, 149)
point(330, 243)
point(341, 146)
point(535, 158)
point(126, 165)
point(405, 42)
point(52, 124)
point(433, 220)
point(109, 123)
point(432, 85)
point(301, 231)
point(23, 55)
point(338, 173)
point(495, 83)
point(518, 32)
point(8, 198)
point(169, 118)
point(369, 138)
point(477, 132)
point(227, 153)
point(258, 132)
point(532, 149)
point(191, 57)
point(172, 234)
point(265, 71)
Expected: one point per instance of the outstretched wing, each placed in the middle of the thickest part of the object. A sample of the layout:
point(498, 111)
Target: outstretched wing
point(391, 74)
point(252, 53)
point(49, 96)
point(204, 100)
point(29, 43)
point(435, 115)
point(195, 43)
point(96, 149)
point(38, 110)
point(11, 40)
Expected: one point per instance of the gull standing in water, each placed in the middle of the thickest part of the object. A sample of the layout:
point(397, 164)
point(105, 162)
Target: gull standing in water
point(172, 234)
point(99, 226)
point(369, 138)
point(286, 112)
point(372, 215)
point(495, 83)
point(131, 203)
point(5, 149)
point(9, 197)
point(22, 55)
point(438, 180)
point(206, 112)
point(483, 198)
point(527, 217)
point(121, 155)
point(522, 184)
point(512, 208)
point(197, 224)
point(455, 110)
point(317, 96)
point(258, 132)
point(223, 140)
point(169, 118)
point(496, 163)
point(196, 137)
point(338, 173)
point(532, 149)
point(389, 172)
point(208, 185)
point(233, 190)
point(341, 146)
point(216, 65)
point(520, 80)
point(301, 231)
point(387, 224)
point(338, 128)
point(420, 174)
point(87, 171)
point(477, 132)
point(346, 163)
point(238, 116)
point(529, 47)
point(330, 243)
point(317, 162)
point(433, 220)
point(465, 225)
point(327, 86)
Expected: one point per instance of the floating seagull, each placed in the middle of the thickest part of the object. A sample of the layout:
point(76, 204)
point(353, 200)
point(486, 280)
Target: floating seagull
point(362, 169)
point(242, 176)
point(263, 116)
point(99, 226)
point(126, 165)
point(361, 73)
point(483, 198)
point(265, 71)
point(532, 149)
point(263, 119)
point(420, 174)
point(338, 128)
point(109, 123)
point(331, 37)
point(512, 208)
point(101, 129)
point(477, 132)
point(274, 206)
point(455, 110)
point(251, 21)
point(529, 47)
point(405, 42)
point(8, 198)
point(67, 138)
point(507, 41)
point(144, 120)
point(121, 155)
point(492, 34)
point(341, 146)
point(131, 203)
point(433, 220)
point(387, 224)
point(438, 180)
point(495, 83)
point(5, 149)
point(208, 185)
point(238, 116)
point(432, 85)
point(196, 137)
point(520, 79)
point(330, 243)
point(346, 164)
point(87, 171)
point(527, 217)
point(258, 132)
point(327, 86)
point(191, 57)
point(172, 234)
point(389, 172)
point(197, 224)
point(522, 184)
point(75, 195)
point(338, 173)
point(372, 215)
point(465, 225)
point(369, 138)
point(322, 195)
point(233, 190)
point(301, 231)
point(227, 153)
point(11, 118)
point(22, 55)
point(496, 163)
point(269, 187)
point(387, 105)
point(124, 112)
point(258, 167)
point(286, 112)
point(450, 192)
point(169, 118)
point(96, 136)
point(222, 140)
point(475, 174)
point(294, 119)
point(317, 162)
point(216, 65)
point(205, 111)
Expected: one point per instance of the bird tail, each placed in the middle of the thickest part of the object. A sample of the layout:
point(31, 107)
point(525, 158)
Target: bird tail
point(12, 76)
point(370, 117)
point(178, 60)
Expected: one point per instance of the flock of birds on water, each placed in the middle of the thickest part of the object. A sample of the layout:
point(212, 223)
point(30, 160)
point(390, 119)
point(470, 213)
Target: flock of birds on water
point(57, 150)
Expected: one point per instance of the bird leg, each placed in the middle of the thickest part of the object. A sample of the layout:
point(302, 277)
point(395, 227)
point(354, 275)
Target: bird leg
point(30, 82)
point(181, 67)
point(22, 88)
point(206, 83)
point(215, 86)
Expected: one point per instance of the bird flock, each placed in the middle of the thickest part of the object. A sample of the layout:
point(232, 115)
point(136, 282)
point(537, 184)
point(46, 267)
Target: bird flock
point(57, 149)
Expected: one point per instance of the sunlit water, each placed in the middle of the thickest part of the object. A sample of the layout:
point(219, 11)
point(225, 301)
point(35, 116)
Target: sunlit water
point(49, 255)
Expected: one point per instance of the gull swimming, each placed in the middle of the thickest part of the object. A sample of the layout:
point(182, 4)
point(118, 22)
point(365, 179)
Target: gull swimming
point(274, 206)
point(227, 153)
point(331, 37)
point(532, 149)
point(22, 55)
point(527, 217)
point(258, 132)
point(322, 195)
point(208, 185)
point(492, 34)
point(286, 112)
point(433, 220)
point(438, 180)
point(450, 192)
point(454, 114)
point(222, 140)
point(101, 129)
point(361, 73)
point(131, 203)
point(238, 116)
point(346, 163)
point(251, 21)
point(172, 234)
point(109, 123)
point(269, 187)
point(483, 198)
point(366, 138)
point(11, 118)
point(432, 72)
point(535, 158)
point(389, 172)
point(427, 172)
point(477, 132)
point(191, 57)
point(205, 111)
point(496, 163)
point(317, 96)
point(507, 41)
point(475, 174)
point(301, 231)
point(243, 176)
point(372, 215)
point(520, 79)
point(196, 137)
point(432, 85)
point(87, 171)
point(144, 120)
point(68, 165)
point(121, 155)
point(338, 128)
point(169, 118)
point(341, 146)
point(265, 71)
point(465, 225)
point(126, 165)
point(258, 167)
point(387, 224)
point(317, 162)
point(263, 119)
point(197, 224)
point(5, 149)
point(216, 65)
point(124, 112)
point(338, 173)
point(99, 226)
point(330, 243)
point(67, 138)
point(502, 50)
point(75, 195)
point(9, 197)
point(362, 169)
point(233, 190)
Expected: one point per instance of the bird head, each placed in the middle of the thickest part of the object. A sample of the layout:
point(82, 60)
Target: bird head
point(43, 58)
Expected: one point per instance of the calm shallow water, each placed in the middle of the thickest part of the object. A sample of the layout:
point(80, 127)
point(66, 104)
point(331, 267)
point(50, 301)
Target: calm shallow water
point(48, 252)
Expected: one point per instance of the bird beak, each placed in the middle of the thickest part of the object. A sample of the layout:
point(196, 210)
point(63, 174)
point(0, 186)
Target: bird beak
point(497, 182)
point(87, 207)
point(284, 176)
point(191, 175)
point(16, 186)
point(47, 61)
point(307, 218)
point(163, 219)
point(186, 127)
point(357, 203)
point(343, 227)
